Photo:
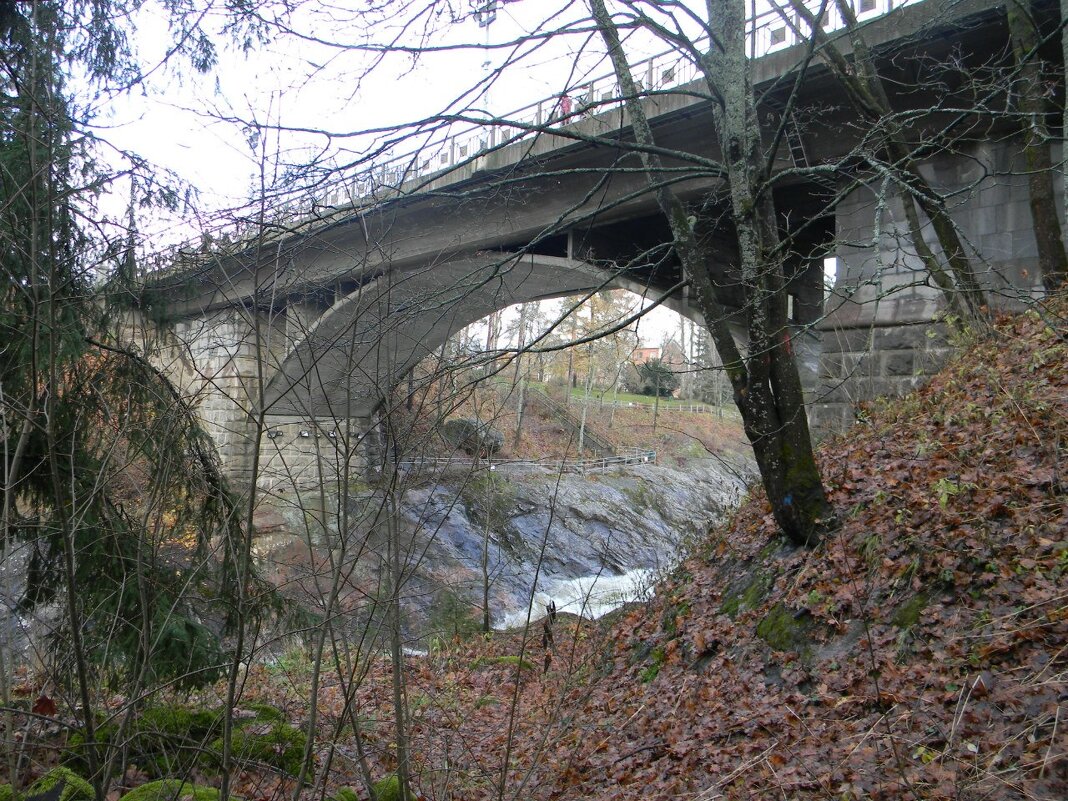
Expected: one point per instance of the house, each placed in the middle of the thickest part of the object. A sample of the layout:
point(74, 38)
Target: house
point(642, 355)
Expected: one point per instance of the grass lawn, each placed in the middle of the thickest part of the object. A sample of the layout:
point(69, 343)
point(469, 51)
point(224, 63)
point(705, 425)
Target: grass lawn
point(630, 397)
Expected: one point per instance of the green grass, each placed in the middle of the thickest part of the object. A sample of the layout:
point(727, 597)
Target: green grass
point(577, 393)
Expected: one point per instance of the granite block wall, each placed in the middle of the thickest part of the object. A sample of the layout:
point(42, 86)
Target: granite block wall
point(880, 334)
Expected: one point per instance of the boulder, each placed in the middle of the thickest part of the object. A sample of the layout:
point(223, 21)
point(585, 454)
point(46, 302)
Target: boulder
point(472, 436)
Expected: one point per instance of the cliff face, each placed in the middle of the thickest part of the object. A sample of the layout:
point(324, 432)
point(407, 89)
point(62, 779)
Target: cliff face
point(554, 535)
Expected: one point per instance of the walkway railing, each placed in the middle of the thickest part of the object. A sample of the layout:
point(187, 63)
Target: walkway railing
point(594, 437)
point(631, 456)
point(691, 408)
point(464, 141)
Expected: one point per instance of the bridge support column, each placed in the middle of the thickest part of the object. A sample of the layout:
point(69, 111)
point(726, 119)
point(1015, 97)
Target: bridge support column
point(881, 335)
point(217, 360)
point(298, 455)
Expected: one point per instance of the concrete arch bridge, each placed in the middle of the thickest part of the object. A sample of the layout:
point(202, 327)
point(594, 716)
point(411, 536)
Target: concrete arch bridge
point(309, 327)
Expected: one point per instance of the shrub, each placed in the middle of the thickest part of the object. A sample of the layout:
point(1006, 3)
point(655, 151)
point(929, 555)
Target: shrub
point(452, 616)
point(657, 378)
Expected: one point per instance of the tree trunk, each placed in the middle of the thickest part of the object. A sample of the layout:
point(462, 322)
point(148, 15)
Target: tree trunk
point(767, 387)
point(585, 400)
point(1052, 259)
point(520, 378)
point(1064, 115)
point(656, 401)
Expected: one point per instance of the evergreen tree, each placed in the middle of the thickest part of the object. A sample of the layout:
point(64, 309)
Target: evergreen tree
point(108, 480)
point(657, 379)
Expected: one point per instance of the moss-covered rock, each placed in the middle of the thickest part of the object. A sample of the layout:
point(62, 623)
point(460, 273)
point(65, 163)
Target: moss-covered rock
point(174, 720)
point(75, 788)
point(163, 739)
point(783, 630)
point(345, 794)
point(508, 661)
point(169, 739)
point(76, 753)
point(6, 793)
point(749, 596)
point(266, 712)
point(908, 614)
point(172, 790)
point(388, 789)
point(279, 745)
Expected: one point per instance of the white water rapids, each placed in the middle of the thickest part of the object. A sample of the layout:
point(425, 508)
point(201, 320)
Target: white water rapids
point(587, 596)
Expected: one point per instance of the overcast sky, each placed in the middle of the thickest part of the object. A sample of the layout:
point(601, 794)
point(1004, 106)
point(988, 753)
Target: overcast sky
point(322, 79)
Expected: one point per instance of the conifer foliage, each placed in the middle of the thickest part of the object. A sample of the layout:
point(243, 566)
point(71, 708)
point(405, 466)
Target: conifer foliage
point(111, 492)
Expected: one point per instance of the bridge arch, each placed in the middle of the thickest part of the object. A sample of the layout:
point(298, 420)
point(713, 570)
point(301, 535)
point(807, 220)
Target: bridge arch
point(345, 362)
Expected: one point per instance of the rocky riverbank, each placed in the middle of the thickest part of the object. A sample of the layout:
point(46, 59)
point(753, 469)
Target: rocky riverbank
point(589, 543)
point(586, 542)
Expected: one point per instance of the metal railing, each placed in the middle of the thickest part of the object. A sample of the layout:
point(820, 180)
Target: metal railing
point(692, 408)
point(592, 434)
point(465, 141)
point(628, 457)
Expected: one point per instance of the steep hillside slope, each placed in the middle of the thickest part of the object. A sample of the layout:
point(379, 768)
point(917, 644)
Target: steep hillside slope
point(920, 652)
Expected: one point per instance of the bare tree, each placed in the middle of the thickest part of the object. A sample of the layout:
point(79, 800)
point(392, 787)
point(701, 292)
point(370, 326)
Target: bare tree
point(767, 387)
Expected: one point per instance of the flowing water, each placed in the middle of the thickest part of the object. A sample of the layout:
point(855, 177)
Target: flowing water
point(587, 596)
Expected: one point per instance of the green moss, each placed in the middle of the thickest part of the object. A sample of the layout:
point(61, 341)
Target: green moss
point(76, 753)
point(749, 597)
point(512, 661)
point(282, 747)
point(388, 789)
point(769, 549)
point(177, 721)
point(164, 739)
point(908, 614)
point(669, 620)
point(266, 712)
point(168, 739)
point(782, 630)
point(6, 794)
point(652, 670)
point(345, 794)
point(172, 790)
point(75, 787)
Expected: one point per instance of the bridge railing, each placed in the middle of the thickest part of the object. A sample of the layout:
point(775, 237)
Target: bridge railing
point(465, 141)
point(768, 32)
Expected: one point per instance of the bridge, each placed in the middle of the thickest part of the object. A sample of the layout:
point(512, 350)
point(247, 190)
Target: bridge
point(292, 332)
